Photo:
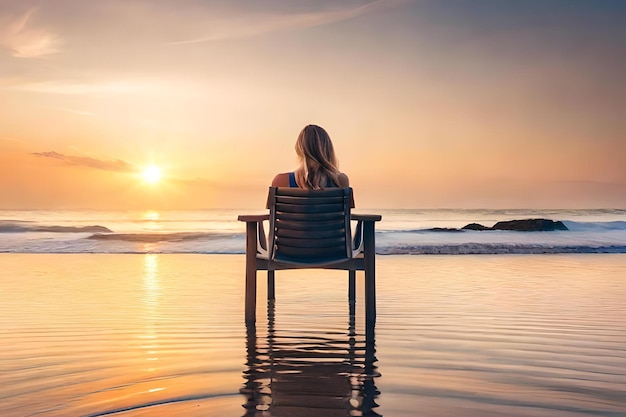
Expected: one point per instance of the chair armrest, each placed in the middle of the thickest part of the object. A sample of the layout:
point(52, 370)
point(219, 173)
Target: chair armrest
point(366, 217)
point(253, 217)
point(255, 231)
point(358, 240)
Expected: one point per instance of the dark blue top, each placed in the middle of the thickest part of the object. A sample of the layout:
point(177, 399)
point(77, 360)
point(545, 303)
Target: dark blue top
point(294, 184)
point(292, 180)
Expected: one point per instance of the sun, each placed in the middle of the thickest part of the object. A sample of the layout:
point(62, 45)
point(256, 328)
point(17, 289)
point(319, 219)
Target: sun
point(152, 174)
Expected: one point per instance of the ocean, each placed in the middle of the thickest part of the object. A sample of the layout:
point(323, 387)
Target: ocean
point(122, 313)
point(401, 232)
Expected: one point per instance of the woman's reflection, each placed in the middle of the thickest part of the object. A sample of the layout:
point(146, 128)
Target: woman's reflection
point(291, 373)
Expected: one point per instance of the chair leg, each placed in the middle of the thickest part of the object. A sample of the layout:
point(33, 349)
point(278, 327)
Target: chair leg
point(250, 295)
point(271, 286)
point(352, 286)
point(369, 256)
point(251, 242)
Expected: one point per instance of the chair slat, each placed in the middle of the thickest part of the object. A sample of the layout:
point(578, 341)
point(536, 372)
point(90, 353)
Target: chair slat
point(311, 255)
point(302, 192)
point(309, 208)
point(283, 242)
point(310, 234)
point(309, 200)
point(303, 226)
point(310, 217)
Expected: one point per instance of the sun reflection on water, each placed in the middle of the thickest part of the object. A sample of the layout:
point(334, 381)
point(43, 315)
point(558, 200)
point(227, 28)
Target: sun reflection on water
point(151, 218)
point(151, 299)
point(152, 215)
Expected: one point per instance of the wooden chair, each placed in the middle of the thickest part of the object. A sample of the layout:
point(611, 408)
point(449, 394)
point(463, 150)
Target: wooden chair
point(310, 229)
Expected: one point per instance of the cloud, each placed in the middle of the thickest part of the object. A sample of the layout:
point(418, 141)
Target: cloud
point(145, 87)
point(29, 33)
point(24, 39)
point(116, 165)
point(57, 87)
point(253, 23)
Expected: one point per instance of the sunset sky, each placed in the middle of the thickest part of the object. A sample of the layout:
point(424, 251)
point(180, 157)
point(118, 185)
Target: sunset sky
point(430, 104)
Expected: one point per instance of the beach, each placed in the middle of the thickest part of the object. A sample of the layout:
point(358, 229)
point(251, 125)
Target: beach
point(164, 334)
point(142, 144)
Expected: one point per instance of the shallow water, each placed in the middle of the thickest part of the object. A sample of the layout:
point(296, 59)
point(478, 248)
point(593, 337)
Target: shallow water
point(163, 334)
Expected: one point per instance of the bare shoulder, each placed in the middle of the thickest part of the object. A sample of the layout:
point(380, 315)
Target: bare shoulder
point(281, 180)
point(344, 182)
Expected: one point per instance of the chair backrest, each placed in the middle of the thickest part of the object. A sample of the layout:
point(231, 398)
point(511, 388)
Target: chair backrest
point(309, 227)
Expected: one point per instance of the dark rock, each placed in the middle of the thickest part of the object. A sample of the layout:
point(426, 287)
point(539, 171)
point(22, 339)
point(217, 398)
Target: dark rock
point(96, 229)
point(476, 226)
point(531, 225)
point(444, 229)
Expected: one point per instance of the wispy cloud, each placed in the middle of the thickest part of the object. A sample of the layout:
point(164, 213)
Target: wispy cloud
point(116, 165)
point(144, 87)
point(59, 87)
point(24, 39)
point(243, 25)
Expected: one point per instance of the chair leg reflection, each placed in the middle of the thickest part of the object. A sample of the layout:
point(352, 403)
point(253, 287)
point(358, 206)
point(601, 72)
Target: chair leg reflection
point(291, 372)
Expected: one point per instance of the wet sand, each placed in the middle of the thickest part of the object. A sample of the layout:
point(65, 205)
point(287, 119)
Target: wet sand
point(139, 335)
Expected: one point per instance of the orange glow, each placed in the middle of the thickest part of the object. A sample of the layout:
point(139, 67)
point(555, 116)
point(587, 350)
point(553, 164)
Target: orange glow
point(440, 118)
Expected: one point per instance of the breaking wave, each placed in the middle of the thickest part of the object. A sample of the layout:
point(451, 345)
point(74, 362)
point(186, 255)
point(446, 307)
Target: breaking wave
point(17, 226)
point(156, 237)
point(495, 249)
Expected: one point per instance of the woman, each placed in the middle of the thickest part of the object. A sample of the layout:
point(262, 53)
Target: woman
point(318, 164)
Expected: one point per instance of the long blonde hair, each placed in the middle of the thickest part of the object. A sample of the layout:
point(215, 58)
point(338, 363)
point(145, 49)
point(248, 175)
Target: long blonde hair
point(318, 164)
